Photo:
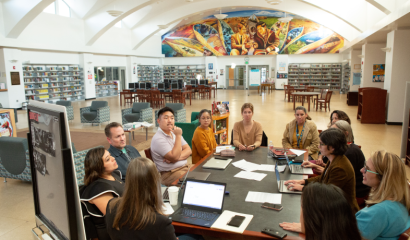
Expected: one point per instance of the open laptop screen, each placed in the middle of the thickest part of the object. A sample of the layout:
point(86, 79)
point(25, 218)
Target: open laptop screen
point(287, 159)
point(204, 194)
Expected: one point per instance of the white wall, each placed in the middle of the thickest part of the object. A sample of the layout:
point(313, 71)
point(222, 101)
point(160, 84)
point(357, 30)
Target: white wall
point(183, 61)
point(397, 74)
point(315, 58)
point(87, 63)
point(372, 55)
point(15, 94)
point(354, 59)
point(48, 57)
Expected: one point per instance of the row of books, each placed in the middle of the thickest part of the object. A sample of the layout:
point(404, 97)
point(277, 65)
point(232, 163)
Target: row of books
point(30, 68)
point(220, 138)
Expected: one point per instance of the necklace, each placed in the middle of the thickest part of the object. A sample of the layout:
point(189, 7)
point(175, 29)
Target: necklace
point(299, 137)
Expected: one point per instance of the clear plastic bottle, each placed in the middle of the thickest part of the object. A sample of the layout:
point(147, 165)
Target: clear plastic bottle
point(270, 149)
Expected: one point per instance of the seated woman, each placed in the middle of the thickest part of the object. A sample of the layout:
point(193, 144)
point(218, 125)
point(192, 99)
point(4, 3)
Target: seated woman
point(203, 141)
point(338, 170)
point(102, 183)
point(337, 115)
point(302, 134)
point(320, 221)
point(387, 213)
point(247, 134)
point(356, 158)
point(139, 213)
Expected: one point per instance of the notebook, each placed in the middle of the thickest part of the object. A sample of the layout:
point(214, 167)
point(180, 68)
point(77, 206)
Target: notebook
point(202, 203)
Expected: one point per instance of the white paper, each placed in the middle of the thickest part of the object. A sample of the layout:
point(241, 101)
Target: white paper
point(168, 210)
point(226, 216)
point(250, 175)
point(261, 197)
point(220, 148)
point(267, 168)
point(282, 168)
point(245, 165)
point(297, 152)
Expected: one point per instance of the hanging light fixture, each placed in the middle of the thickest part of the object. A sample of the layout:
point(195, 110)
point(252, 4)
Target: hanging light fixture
point(115, 13)
point(220, 15)
point(285, 19)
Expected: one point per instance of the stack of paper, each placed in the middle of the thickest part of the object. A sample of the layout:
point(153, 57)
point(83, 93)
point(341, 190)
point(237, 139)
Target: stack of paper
point(226, 216)
point(298, 152)
point(143, 124)
point(220, 148)
point(261, 197)
point(247, 166)
point(250, 175)
point(168, 210)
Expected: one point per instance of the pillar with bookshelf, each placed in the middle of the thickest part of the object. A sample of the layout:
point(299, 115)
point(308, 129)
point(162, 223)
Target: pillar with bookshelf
point(220, 126)
point(51, 83)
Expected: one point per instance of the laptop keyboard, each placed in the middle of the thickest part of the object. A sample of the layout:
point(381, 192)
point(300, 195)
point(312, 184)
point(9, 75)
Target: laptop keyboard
point(281, 162)
point(197, 214)
point(166, 194)
point(297, 168)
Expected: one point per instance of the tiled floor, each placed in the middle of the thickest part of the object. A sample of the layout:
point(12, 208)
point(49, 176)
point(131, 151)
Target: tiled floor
point(16, 203)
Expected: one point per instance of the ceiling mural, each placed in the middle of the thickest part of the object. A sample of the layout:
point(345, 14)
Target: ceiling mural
point(250, 33)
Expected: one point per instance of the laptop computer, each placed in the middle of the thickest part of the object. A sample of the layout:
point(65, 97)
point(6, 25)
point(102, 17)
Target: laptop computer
point(298, 169)
point(196, 175)
point(202, 203)
point(281, 183)
point(164, 190)
point(217, 163)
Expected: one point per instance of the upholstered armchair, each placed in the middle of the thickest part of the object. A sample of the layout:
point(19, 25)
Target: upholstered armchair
point(188, 129)
point(180, 112)
point(68, 107)
point(140, 112)
point(98, 112)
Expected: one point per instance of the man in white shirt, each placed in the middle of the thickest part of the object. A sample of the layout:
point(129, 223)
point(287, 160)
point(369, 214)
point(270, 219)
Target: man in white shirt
point(169, 149)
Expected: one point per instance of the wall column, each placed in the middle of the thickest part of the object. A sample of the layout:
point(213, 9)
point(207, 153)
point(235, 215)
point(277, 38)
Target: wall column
point(87, 64)
point(372, 55)
point(354, 60)
point(397, 64)
point(10, 61)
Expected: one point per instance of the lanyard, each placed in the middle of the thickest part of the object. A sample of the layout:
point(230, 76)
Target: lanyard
point(299, 138)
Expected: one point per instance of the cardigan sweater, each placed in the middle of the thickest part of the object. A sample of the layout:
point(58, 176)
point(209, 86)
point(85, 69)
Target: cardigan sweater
point(254, 137)
point(203, 143)
point(340, 173)
point(310, 138)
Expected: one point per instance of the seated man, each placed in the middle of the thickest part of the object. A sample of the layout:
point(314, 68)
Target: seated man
point(169, 150)
point(122, 153)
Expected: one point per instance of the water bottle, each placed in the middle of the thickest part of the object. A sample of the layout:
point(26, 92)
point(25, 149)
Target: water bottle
point(270, 149)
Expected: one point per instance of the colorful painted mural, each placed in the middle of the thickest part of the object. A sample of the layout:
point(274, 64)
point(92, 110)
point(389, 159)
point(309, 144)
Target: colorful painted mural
point(250, 33)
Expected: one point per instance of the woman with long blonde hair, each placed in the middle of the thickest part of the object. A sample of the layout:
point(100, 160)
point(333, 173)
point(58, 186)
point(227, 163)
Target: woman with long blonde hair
point(387, 213)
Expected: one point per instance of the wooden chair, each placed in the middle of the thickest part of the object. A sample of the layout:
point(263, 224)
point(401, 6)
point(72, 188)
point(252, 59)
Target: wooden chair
point(202, 91)
point(148, 96)
point(140, 96)
point(290, 91)
point(285, 87)
point(321, 96)
point(156, 99)
point(127, 96)
point(148, 153)
point(178, 96)
point(310, 89)
point(325, 101)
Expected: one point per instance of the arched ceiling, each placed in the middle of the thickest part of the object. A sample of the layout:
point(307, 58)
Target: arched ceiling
point(349, 18)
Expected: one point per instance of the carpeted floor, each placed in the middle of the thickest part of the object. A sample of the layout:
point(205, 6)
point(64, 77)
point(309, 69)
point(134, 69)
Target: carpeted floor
point(86, 140)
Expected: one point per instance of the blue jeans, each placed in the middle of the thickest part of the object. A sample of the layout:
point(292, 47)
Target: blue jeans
point(190, 237)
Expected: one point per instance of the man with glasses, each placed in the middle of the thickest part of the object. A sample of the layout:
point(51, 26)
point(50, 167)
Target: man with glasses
point(122, 152)
point(169, 150)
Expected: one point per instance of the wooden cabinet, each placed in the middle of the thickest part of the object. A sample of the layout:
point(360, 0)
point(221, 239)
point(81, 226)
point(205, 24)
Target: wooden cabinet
point(352, 98)
point(408, 144)
point(372, 105)
point(221, 133)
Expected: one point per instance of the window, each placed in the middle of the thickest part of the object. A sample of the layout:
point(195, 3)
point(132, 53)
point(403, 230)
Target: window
point(63, 9)
point(51, 8)
point(118, 24)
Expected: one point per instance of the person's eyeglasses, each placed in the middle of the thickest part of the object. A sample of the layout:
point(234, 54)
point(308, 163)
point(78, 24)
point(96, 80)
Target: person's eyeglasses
point(367, 170)
point(322, 144)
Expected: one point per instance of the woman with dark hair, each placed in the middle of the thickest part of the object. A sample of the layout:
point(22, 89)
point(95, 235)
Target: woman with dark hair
point(102, 183)
point(338, 115)
point(203, 141)
point(247, 134)
point(338, 171)
point(139, 213)
point(387, 213)
point(302, 134)
point(318, 221)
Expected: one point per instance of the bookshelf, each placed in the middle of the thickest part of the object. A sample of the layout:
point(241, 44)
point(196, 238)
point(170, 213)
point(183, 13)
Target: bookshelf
point(106, 89)
point(53, 83)
point(408, 144)
point(318, 75)
point(345, 79)
point(220, 127)
point(150, 73)
point(183, 72)
point(372, 105)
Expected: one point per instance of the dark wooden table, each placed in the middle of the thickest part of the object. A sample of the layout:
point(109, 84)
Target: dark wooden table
point(265, 85)
point(213, 83)
point(239, 189)
point(303, 95)
point(188, 93)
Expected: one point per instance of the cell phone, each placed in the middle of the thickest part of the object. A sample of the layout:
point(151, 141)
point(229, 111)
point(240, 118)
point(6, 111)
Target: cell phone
point(236, 221)
point(222, 158)
point(274, 233)
point(276, 207)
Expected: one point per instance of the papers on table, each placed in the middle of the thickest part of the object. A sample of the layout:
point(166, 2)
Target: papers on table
point(247, 166)
point(226, 216)
point(141, 124)
point(261, 197)
point(267, 167)
point(297, 152)
point(220, 148)
point(250, 175)
point(281, 168)
point(168, 210)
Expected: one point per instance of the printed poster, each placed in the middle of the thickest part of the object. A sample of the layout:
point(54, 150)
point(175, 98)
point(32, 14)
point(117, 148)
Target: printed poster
point(378, 72)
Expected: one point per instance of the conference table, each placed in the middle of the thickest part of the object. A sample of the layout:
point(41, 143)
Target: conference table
point(263, 86)
point(303, 95)
point(238, 189)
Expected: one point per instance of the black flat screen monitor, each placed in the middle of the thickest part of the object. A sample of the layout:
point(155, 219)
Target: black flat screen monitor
point(180, 84)
point(142, 85)
point(161, 86)
point(174, 86)
point(147, 85)
point(202, 82)
point(131, 85)
point(136, 85)
point(193, 82)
